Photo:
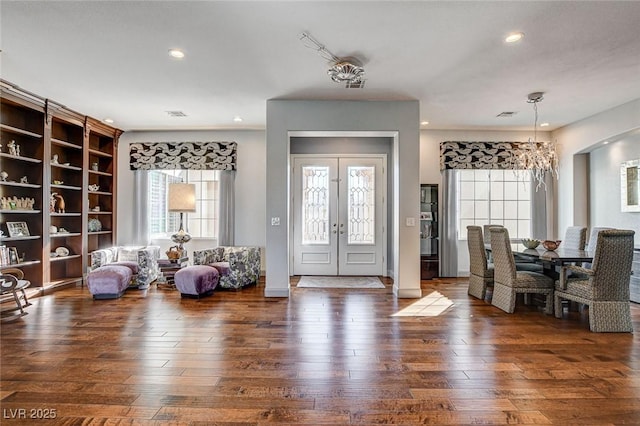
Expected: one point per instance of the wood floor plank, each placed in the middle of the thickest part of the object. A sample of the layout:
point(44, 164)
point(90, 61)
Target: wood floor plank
point(322, 356)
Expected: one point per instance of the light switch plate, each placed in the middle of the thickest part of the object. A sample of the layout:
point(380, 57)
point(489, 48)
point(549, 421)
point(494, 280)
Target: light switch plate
point(411, 221)
point(275, 221)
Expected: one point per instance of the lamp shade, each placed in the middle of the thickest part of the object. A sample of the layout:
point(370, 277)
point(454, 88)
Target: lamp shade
point(182, 197)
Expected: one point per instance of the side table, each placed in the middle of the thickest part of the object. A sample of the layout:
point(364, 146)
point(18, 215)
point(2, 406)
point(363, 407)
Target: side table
point(168, 269)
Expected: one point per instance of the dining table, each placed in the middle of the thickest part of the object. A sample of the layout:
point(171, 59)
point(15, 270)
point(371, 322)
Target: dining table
point(551, 260)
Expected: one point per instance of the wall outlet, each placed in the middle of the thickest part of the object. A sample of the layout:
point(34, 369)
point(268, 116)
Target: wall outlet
point(411, 221)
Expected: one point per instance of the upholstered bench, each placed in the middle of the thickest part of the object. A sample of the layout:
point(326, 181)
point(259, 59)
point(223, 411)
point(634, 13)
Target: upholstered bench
point(196, 281)
point(109, 281)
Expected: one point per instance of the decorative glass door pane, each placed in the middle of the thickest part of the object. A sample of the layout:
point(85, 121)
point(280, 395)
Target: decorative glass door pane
point(315, 205)
point(361, 205)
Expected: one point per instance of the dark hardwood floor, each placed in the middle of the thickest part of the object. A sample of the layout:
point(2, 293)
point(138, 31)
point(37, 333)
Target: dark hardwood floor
point(320, 357)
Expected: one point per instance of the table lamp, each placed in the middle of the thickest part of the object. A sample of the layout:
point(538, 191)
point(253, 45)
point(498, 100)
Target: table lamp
point(182, 199)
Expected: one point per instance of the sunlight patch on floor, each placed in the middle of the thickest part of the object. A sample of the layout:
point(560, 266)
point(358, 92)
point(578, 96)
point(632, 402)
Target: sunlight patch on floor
point(431, 305)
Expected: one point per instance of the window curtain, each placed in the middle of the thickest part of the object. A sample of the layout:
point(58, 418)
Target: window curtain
point(140, 210)
point(226, 208)
point(449, 235)
point(501, 155)
point(183, 155)
point(542, 209)
point(220, 156)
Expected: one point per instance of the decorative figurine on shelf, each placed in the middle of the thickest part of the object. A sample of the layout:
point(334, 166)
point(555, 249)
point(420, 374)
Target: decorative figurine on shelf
point(3, 176)
point(94, 167)
point(94, 225)
point(13, 148)
point(57, 203)
point(54, 160)
point(94, 187)
point(23, 179)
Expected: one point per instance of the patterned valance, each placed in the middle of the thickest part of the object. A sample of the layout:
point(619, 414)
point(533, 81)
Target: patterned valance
point(183, 155)
point(478, 155)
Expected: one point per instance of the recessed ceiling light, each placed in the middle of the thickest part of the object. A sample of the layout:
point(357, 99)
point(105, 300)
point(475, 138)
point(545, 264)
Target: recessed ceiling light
point(544, 124)
point(605, 143)
point(514, 37)
point(176, 114)
point(176, 53)
point(108, 120)
point(424, 123)
point(237, 119)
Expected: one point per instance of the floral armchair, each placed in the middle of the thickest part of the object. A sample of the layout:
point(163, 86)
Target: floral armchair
point(237, 266)
point(143, 262)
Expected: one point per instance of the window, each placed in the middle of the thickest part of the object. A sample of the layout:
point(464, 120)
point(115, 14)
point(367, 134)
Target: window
point(201, 224)
point(501, 197)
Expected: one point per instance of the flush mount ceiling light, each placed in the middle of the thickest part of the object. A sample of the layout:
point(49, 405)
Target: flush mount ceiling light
point(176, 53)
point(108, 120)
point(424, 123)
point(514, 37)
point(347, 70)
point(237, 119)
point(176, 114)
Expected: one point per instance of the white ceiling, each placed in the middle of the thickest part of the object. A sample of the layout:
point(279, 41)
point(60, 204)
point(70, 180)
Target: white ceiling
point(109, 58)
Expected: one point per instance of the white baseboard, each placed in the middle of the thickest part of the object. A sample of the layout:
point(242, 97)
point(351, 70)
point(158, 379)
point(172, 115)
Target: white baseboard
point(407, 293)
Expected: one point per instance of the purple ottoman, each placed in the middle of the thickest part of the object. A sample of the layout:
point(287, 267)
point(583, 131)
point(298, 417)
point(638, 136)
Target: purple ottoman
point(109, 281)
point(196, 281)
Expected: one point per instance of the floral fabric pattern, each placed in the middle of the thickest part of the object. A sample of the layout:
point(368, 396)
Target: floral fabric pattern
point(183, 155)
point(479, 155)
point(244, 264)
point(146, 257)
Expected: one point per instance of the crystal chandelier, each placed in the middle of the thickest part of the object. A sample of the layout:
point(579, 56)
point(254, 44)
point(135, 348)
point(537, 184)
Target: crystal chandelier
point(538, 157)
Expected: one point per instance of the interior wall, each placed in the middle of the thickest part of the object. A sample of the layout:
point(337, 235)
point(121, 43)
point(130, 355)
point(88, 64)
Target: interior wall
point(605, 186)
point(583, 136)
point(355, 146)
point(250, 184)
point(396, 119)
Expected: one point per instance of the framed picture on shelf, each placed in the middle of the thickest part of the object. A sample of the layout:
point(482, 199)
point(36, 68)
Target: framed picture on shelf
point(13, 255)
point(18, 229)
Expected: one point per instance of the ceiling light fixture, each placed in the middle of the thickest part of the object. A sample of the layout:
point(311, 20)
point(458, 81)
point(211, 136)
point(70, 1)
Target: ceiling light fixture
point(540, 158)
point(108, 120)
point(544, 124)
point(424, 123)
point(514, 37)
point(176, 53)
point(346, 70)
point(237, 119)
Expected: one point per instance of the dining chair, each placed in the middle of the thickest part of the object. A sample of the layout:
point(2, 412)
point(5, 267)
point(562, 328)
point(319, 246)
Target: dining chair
point(522, 263)
point(508, 282)
point(480, 275)
point(592, 243)
point(604, 286)
point(575, 237)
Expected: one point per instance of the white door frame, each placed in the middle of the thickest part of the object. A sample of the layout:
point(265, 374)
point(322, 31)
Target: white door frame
point(385, 233)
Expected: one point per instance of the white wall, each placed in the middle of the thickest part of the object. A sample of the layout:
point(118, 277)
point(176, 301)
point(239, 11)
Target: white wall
point(398, 117)
point(250, 183)
point(605, 187)
point(430, 164)
point(583, 136)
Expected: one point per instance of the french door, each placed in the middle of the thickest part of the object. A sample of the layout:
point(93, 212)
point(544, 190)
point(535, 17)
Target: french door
point(338, 215)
